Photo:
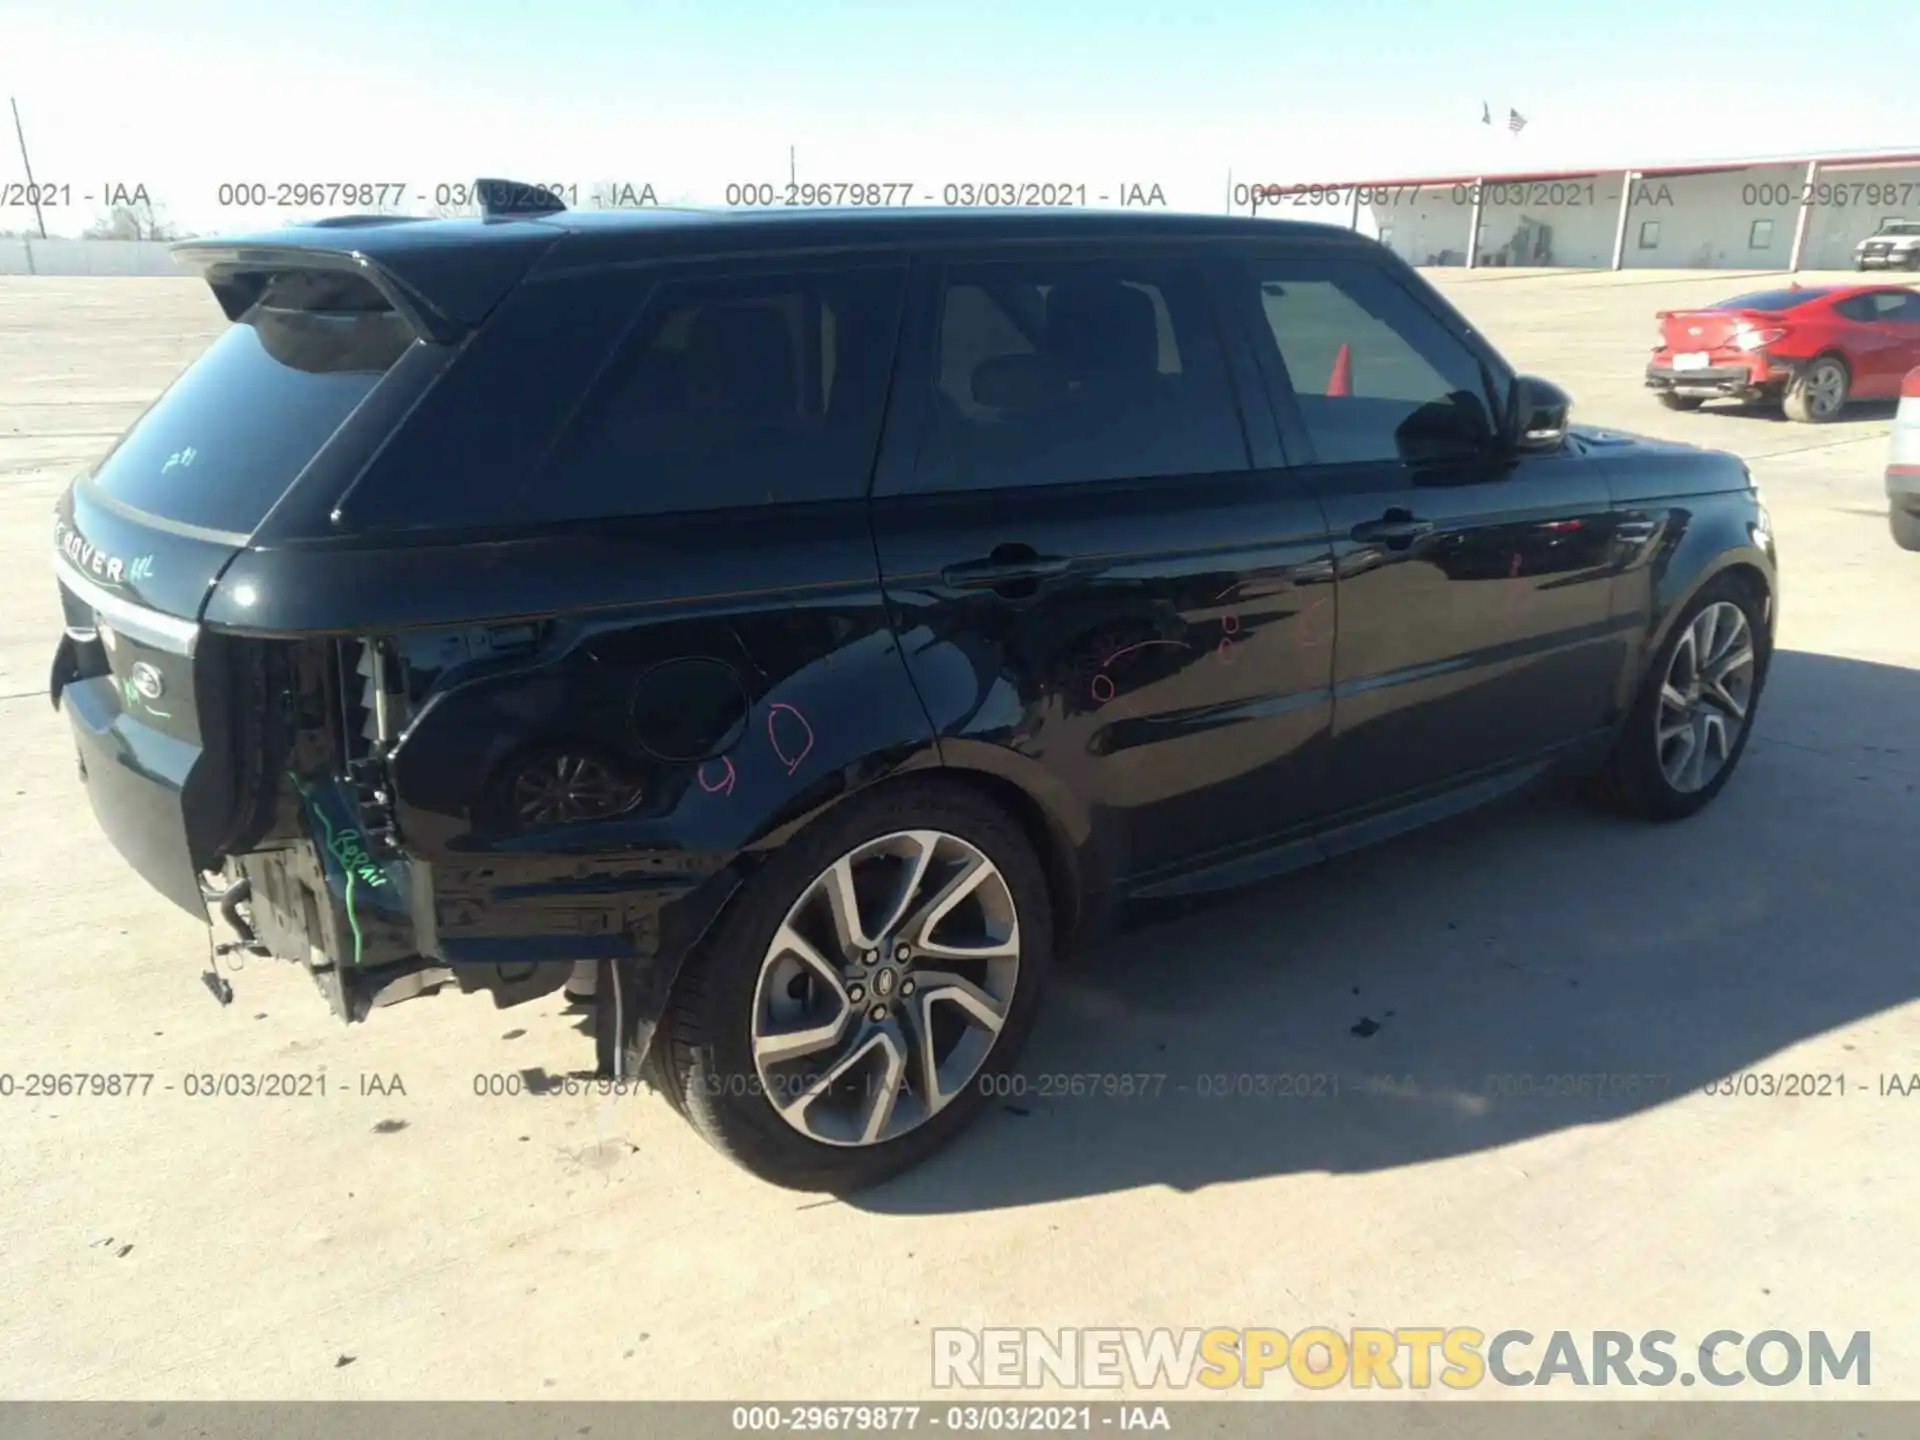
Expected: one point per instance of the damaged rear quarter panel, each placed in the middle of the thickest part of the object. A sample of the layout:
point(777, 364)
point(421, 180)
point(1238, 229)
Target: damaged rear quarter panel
point(737, 670)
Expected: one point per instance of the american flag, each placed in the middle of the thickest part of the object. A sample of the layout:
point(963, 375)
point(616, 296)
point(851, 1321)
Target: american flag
point(1516, 122)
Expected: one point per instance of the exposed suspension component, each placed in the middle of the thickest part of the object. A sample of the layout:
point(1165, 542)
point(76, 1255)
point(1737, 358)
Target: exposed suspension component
point(372, 726)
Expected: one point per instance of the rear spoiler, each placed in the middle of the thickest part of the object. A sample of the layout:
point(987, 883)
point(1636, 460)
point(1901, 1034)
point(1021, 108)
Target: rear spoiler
point(238, 275)
point(443, 277)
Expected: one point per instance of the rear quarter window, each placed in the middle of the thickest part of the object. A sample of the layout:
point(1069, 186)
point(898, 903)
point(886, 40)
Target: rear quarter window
point(735, 391)
point(223, 443)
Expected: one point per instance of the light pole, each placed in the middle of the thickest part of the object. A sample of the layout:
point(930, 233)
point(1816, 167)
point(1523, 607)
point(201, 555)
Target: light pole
point(33, 191)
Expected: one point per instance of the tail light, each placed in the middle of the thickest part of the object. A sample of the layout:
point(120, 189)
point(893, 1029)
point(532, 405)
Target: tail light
point(1910, 386)
point(1745, 339)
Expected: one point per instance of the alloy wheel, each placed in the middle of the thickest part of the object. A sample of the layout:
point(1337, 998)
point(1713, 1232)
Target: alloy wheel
point(885, 988)
point(1826, 387)
point(567, 788)
point(1705, 696)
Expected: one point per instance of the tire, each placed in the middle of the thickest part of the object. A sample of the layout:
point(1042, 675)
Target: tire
point(1818, 394)
point(1680, 402)
point(707, 1041)
point(1905, 526)
point(1633, 781)
point(1913, 260)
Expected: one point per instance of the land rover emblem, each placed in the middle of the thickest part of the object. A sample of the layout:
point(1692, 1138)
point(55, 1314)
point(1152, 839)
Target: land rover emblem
point(149, 682)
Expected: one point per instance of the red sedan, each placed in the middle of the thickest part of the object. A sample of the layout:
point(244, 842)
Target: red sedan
point(1811, 349)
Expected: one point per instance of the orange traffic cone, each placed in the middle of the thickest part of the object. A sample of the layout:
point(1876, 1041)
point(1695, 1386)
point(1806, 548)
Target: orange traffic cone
point(1340, 382)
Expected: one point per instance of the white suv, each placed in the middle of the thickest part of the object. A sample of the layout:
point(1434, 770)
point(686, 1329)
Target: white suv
point(1895, 245)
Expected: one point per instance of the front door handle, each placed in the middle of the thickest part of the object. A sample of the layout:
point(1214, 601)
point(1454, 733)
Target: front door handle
point(1396, 528)
point(994, 574)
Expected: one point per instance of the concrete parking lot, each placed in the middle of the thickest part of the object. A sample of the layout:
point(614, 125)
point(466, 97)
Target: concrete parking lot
point(403, 1236)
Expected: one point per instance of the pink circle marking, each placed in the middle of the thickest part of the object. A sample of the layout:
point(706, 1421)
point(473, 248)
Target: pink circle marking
point(724, 786)
point(773, 739)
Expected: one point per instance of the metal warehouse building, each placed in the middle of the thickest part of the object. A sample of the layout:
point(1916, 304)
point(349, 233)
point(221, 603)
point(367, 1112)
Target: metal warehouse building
point(1804, 212)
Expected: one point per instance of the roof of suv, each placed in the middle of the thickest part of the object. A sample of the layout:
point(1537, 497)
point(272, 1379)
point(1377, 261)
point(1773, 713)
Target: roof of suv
point(461, 267)
point(610, 236)
point(642, 230)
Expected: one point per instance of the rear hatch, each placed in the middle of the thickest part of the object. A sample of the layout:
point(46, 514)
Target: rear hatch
point(142, 538)
point(1685, 330)
point(1717, 326)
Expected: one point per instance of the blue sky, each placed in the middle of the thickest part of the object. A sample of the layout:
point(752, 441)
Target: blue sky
point(692, 94)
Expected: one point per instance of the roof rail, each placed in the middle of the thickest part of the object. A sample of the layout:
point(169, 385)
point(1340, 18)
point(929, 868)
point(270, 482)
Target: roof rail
point(501, 198)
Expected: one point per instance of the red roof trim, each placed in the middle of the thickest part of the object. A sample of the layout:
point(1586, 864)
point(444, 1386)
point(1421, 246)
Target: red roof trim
point(1861, 160)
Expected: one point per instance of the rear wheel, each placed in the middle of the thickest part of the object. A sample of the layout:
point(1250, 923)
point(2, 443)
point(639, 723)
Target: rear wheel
point(855, 1008)
point(1689, 727)
point(1819, 392)
point(1680, 402)
point(1905, 526)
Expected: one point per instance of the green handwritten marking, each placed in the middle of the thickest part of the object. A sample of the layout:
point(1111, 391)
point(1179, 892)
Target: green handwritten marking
point(135, 699)
point(353, 919)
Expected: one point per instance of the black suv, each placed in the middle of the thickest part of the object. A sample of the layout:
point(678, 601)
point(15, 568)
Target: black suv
point(801, 626)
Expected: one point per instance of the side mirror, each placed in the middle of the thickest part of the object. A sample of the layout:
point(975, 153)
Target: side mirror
point(1537, 416)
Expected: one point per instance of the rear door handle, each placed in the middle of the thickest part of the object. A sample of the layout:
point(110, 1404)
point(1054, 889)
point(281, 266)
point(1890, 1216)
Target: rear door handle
point(1393, 528)
point(993, 574)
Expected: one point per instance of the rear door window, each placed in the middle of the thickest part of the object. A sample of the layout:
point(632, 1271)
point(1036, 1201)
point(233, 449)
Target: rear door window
point(743, 390)
point(1060, 372)
point(227, 438)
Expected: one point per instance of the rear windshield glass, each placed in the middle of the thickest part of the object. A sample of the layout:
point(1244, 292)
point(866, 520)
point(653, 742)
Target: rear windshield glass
point(229, 436)
point(1770, 300)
